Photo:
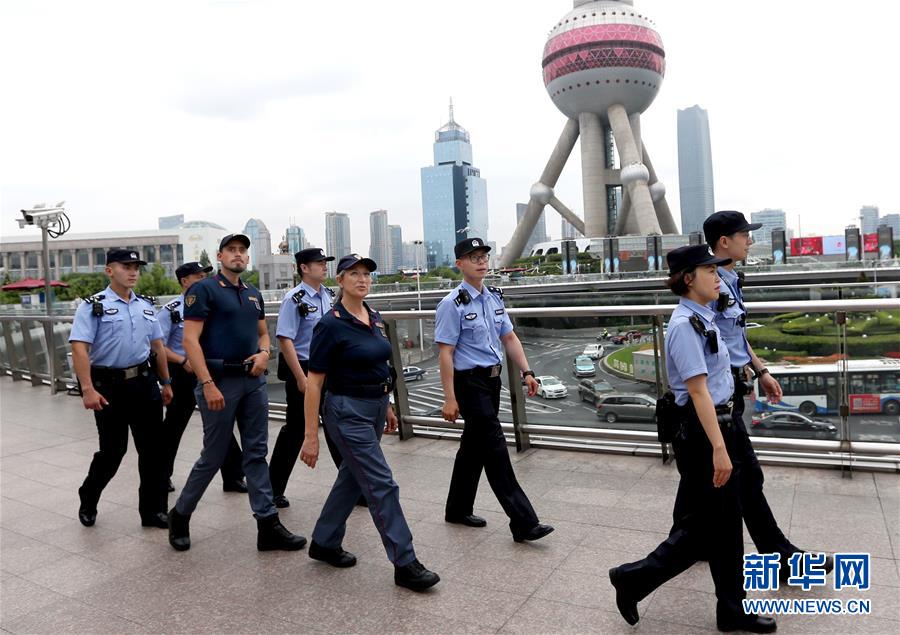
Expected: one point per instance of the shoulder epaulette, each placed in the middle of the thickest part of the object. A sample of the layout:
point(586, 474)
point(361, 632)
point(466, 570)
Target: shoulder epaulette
point(95, 298)
point(496, 290)
point(330, 291)
point(174, 304)
point(147, 298)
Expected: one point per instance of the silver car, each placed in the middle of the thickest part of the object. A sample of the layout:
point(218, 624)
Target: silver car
point(627, 407)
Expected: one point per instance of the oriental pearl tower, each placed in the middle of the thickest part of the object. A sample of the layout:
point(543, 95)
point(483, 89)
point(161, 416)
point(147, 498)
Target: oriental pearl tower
point(603, 65)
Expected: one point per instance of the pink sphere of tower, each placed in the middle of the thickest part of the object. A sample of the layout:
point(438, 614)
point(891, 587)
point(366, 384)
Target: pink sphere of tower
point(601, 53)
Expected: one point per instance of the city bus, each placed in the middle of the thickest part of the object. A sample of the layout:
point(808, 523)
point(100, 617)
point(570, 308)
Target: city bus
point(813, 389)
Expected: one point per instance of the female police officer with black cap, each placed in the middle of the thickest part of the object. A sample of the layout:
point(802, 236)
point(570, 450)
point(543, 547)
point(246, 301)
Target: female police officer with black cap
point(350, 350)
point(699, 371)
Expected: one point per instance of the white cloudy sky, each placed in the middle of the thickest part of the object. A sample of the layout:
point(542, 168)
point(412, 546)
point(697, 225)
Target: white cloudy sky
point(222, 110)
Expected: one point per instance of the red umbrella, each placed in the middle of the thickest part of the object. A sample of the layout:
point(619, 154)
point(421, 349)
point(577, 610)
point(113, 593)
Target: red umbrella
point(31, 283)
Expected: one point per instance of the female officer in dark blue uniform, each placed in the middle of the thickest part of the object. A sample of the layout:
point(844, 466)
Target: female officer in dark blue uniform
point(350, 350)
point(699, 371)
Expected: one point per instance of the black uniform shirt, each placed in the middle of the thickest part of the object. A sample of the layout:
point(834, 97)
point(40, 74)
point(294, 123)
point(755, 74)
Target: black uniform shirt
point(348, 351)
point(231, 315)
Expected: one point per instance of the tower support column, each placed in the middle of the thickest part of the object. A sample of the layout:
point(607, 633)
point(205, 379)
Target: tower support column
point(593, 168)
point(634, 173)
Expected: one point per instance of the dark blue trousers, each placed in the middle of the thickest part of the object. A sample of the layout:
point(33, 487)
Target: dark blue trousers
point(356, 425)
point(246, 401)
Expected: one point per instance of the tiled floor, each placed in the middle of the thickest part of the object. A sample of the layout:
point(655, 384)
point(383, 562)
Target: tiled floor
point(58, 576)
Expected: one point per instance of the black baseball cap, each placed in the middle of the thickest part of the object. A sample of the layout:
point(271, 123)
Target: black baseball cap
point(725, 224)
point(189, 268)
point(351, 259)
point(469, 245)
point(313, 254)
point(238, 237)
point(124, 256)
point(691, 256)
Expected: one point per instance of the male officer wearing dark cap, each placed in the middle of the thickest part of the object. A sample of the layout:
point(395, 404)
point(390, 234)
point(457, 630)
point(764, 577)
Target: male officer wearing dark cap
point(472, 328)
point(728, 235)
point(301, 309)
point(112, 337)
point(227, 344)
point(178, 413)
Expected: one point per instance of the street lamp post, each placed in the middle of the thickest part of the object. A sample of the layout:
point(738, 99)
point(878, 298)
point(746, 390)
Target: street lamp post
point(416, 244)
point(50, 220)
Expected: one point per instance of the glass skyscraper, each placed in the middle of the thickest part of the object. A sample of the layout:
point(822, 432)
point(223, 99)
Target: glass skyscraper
point(695, 172)
point(296, 238)
point(260, 240)
point(396, 236)
point(538, 234)
point(770, 219)
point(337, 238)
point(868, 219)
point(454, 196)
point(380, 241)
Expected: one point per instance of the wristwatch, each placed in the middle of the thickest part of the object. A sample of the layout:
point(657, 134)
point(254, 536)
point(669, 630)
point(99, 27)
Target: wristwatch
point(527, 373)
point(759, 373)
point(165, 382)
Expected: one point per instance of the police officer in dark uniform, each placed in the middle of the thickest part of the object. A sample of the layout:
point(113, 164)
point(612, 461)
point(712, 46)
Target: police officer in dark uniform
point(471, 328)
point(349, 354)
point(112, 337)
point(728, 235)
point(227, 343)
point(301, 309)
point(178, 413)
point(705, 444)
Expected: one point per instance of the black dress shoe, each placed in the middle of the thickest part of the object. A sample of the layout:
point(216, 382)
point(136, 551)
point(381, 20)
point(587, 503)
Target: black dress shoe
point(335, 557)
point(235, 486)
point(171, 486)
point(469, 521)
point(271, 535)
point(159, 519)
point(751, 623)
point(626, 605)
point(179, 530)
point(415, 576)
point(281, 502)
point(87, 517)
point(535, 533)
point(785, 571)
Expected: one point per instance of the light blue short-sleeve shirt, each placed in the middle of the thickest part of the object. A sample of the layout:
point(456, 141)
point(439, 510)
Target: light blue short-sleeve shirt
point(688, 354)
point(121, 336)
point(732, 319)
point(473, 328)
point(173, 328)
point(296, 327)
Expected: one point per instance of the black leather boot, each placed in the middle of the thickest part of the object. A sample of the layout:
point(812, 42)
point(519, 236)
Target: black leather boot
point(179, 530)
point(272, 536)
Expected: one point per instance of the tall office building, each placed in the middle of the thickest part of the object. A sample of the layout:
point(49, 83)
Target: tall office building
point(170, 222)
point(868, 219)
point(770, 219)
point(538, 234)
point(260, 240)
point(380, 241)
point(296, 238)
point(414, 254)
point(567, 230)
point(337, 238)
point(892, 221)
point(396, 239)
point(454, 196)
point(695, 172)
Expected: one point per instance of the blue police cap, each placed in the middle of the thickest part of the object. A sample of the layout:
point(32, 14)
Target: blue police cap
point(313, 254)
point(189, 268)
point(351, 259)
point(692, 256)
point(124, 256)
point(726, 223)
point(469, 245)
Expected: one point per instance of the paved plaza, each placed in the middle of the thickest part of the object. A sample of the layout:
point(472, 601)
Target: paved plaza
point(117, 577)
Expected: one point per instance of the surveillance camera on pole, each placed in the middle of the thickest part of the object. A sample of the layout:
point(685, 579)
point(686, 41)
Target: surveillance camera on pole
point(53, 222)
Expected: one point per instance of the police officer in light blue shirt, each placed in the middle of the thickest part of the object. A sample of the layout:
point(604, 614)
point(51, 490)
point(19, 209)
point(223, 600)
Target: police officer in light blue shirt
point(728, 235)
point(184, 381)
point(472, 330)
point(709, 521)
point(300, 311)
point(112, 336)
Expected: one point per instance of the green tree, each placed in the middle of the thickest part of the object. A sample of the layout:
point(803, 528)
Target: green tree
point(204, 259)
point(81, 285)
point(156, 283)
point(251, 277)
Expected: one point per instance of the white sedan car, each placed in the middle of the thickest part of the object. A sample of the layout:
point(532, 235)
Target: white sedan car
point(550, 387)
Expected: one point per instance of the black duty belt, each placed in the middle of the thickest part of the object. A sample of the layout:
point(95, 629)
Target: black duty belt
point(481, 371)
point(723, 413)
point(360, 390)
point(226, 368)
point(121, 374)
